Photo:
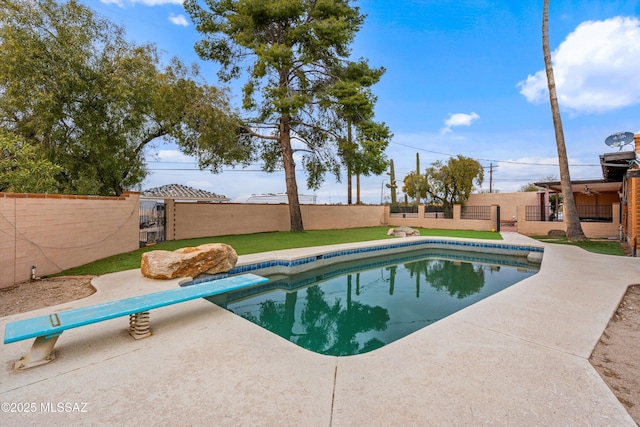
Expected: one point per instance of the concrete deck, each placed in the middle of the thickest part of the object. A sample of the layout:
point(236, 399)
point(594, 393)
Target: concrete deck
point(519, 357)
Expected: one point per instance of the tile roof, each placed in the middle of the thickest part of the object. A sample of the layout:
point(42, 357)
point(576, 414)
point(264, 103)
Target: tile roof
point(177, 191)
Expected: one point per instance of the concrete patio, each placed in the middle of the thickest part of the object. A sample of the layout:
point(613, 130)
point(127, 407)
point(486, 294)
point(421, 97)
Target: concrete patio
point(519, 357)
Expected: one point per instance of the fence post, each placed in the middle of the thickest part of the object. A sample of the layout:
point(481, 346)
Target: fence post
point(169, 217)
point(457, 211)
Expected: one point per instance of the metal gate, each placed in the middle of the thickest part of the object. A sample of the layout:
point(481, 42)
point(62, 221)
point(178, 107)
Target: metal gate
point(152, 222)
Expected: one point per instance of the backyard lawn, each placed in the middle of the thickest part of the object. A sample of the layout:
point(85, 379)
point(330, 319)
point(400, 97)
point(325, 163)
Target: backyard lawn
point(264, 242)
point(605, 247)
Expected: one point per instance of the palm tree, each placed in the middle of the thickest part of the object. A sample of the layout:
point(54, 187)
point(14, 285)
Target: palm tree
point(571, 218)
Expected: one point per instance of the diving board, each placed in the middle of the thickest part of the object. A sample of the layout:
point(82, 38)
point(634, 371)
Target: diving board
point(46, 329)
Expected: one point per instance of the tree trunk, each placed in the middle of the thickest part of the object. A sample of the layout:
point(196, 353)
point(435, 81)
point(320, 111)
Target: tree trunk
point(349, 170)
point(349, 185)
point(571, 218)
point(295, 214)
point(358, 201)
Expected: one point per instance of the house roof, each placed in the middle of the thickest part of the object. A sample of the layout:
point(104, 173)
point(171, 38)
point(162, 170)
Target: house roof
point(181, 192)
point(615, 165)
point(614, 168)
point(599, 185)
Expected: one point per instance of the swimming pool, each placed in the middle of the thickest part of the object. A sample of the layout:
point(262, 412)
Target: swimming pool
point(358, 306)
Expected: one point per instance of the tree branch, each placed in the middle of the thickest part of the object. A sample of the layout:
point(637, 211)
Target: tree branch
point(258, 135)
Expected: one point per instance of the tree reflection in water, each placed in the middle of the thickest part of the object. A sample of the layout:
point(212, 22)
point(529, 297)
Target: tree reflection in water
point(327, 328)
point(459, 279)
point(343, 313)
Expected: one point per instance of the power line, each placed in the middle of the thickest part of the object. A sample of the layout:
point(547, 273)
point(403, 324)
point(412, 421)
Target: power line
point(487, 160)
point(221, 170)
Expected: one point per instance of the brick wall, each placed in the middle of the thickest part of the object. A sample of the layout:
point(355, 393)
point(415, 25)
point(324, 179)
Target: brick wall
point(633, 209)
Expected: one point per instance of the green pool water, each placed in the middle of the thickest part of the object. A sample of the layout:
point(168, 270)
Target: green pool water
point(360, 306)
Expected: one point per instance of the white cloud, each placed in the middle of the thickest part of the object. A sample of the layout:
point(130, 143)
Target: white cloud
point(173, 156)
point(178, 20)
point(596, 68)
point(458, 119)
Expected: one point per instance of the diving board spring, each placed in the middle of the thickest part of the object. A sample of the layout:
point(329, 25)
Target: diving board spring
point(140, 325)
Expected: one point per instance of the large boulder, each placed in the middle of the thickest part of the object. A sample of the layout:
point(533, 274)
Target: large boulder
point(403, 232)
point(210, 258)
point(557, 233)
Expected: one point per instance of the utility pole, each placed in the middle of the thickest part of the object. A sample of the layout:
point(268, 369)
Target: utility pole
point(491, 177)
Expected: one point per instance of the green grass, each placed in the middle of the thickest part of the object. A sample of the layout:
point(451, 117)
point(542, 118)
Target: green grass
point(263, 242)
point(606, 247)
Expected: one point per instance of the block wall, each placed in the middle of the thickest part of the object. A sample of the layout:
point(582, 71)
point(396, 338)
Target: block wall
point(57, 232)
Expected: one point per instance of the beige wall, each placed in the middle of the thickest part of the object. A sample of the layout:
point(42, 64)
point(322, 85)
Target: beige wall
point(321, 217)
point(192, 220)
point(55, 232)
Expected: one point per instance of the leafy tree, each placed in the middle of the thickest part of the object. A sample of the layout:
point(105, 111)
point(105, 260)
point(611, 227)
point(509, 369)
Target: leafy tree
point(571, 218)
point(364, 154)
point(530, 187)
point(91, 101)
point(22, 168)
point(415, 184)
point(453, 182)
point(300, 84)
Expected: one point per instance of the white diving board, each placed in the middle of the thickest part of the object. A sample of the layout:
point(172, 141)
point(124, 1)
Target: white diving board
point(46, 329)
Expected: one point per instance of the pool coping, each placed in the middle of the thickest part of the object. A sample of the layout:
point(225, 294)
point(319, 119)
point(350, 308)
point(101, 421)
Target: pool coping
point(517, 357)
point(294, 261)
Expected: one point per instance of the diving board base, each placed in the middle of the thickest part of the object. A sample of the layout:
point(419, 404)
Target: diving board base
point(46, 329)
point(41, 352)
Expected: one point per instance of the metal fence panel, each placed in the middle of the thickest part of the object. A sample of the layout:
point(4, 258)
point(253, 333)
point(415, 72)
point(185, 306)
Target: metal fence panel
point(434, 211)
point(152, 222)
point(595, 213)
point(475, 212)
point(586, 213)
point(403, 211)
point(542, 213)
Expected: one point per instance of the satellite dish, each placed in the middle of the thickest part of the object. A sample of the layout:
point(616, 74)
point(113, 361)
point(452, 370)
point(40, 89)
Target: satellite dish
point(619, 140)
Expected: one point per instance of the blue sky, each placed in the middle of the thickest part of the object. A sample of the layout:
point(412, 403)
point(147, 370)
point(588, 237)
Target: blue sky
point(463, 77)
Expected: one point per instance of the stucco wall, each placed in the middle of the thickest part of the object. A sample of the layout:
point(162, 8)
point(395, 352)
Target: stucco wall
point(55, 232)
